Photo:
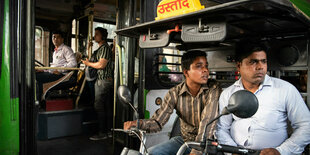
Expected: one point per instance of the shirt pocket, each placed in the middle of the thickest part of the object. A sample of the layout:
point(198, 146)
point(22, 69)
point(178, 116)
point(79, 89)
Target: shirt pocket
point(60, 56)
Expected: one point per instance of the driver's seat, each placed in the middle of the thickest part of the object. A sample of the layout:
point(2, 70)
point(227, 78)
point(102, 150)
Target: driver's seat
point(61, 91)
point(66, 82)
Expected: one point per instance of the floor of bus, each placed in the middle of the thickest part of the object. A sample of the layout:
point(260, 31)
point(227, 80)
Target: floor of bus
point(77, 145)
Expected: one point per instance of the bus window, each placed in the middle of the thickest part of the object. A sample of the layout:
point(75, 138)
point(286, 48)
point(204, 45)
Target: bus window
point(41, 46)
point(168, 64)
point(110, 28)
point(73, 39)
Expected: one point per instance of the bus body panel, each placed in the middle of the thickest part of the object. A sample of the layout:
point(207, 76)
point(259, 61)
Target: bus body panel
point(9, 111)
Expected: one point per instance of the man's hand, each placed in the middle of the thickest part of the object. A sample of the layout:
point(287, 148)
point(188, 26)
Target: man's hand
point(270, 151)
point(86, 61)
point(90, 44)
point(39, 70)
point(56, 72)
point(130, 124)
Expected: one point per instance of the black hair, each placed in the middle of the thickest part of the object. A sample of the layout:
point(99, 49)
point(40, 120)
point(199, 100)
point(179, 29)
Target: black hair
point(103, 31)
point(60, 33)
point(189, 57)
point(246, 48)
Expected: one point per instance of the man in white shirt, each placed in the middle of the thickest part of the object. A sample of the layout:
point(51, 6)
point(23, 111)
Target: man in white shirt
point(279, 101)
point(63, 56)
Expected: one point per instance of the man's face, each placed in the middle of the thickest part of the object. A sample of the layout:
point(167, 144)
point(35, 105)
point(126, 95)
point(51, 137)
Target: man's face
point(198, 72)
point(57, 39)
point(98, 36)
point(253, 68)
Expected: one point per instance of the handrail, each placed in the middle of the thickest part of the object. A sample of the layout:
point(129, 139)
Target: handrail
point(120, 63)
point(59, 68)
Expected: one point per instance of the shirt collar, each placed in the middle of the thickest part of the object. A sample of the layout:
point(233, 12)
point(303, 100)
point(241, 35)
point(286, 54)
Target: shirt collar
point(184, 88)
point(267, 82)
point(59, 48)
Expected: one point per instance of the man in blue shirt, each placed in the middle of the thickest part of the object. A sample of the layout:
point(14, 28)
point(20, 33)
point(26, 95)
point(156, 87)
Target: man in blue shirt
point(279, 101)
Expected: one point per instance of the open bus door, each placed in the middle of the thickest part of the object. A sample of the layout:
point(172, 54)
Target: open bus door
point(72, 120)
point(18, 107)
point(283, 24)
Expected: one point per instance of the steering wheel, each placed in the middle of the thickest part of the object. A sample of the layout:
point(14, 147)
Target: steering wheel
point(38, 63)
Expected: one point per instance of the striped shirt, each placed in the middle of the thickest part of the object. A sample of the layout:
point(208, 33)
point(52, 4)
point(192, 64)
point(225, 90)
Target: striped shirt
point(194, 112)
point(105, 52)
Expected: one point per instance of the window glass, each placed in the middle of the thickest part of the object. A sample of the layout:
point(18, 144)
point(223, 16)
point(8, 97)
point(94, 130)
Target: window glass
point(39, 39)
point(110, 27)
point(73, 26)
point(169, 65)
point(111, 34)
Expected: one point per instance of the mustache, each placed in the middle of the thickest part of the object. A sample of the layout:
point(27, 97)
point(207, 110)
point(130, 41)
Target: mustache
point(259, 73)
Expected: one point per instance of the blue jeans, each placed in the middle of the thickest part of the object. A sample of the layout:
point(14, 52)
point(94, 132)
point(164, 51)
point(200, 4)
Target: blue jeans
point(169, 147)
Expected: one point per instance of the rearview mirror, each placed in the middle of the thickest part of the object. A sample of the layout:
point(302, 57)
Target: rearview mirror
point(243, 104)
point(124, 94)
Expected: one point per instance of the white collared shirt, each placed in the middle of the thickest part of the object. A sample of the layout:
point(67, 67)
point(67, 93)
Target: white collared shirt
point(63, 57)
point(278, 101)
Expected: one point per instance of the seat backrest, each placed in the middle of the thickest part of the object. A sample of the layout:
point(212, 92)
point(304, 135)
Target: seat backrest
point(71, 82)
point(66, 82)
point(176, 129)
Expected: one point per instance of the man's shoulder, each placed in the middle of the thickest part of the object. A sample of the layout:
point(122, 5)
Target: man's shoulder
point(213, 84)
point(67, 48)
point(177, 88)
point(279, 83)
point(105, 47)
point(229, 90)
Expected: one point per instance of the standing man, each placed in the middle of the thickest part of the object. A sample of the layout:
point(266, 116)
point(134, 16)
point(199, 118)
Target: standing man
point(195, 102)
point(63, 56)
point(279, 101)
point(104, 83)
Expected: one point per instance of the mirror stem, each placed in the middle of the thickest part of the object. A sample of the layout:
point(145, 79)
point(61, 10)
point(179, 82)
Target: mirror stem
point(204, 137)
point(137, 116)
point(136, 111)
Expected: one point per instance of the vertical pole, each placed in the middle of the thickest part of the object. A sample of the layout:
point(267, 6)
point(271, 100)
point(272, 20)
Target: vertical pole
point(308, 77)
point(76, 34)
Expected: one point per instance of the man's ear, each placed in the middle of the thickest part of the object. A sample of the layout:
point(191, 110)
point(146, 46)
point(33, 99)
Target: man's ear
point(185, 72)
point(238, 66)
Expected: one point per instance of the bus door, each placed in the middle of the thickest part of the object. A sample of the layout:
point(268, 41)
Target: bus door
point(68, 111)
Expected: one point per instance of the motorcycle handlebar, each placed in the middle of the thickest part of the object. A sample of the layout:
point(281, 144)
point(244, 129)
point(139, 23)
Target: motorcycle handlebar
point(134, 131)
point(122, 130)
point(233, 149)
point(214, 147)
